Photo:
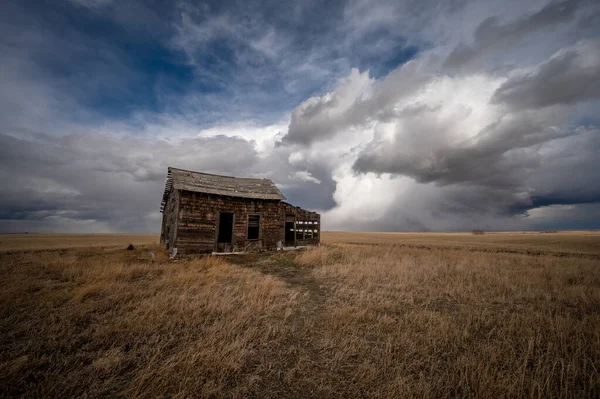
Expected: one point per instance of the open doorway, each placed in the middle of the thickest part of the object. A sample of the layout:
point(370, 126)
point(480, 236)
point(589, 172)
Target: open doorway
point(225, 228)
point(289, 238)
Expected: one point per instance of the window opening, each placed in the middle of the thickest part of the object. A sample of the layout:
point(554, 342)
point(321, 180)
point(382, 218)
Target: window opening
point(253, 227)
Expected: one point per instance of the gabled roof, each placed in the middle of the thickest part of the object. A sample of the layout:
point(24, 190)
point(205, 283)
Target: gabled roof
point(180, 179)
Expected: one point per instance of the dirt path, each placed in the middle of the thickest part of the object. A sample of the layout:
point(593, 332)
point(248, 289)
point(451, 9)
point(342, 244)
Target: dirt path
point(284, 267)
point(306, 353)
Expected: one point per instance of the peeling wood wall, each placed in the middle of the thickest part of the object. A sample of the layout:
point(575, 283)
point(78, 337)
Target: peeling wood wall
point(191, 223)
point(199, 223)
point(169, 223)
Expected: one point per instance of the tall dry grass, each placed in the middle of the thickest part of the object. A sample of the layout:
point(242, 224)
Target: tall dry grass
point(342, 320)
point(115, 324)
point(444, 323)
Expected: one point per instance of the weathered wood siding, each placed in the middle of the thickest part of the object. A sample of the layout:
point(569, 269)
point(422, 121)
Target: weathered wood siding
point(191, 223)
point(169, 223)
point(307, 224)
point(199, 218)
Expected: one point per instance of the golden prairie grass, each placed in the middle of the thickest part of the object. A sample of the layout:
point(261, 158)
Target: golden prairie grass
point(107, 323)
point(48, 241)
point(579, 242)
point(568, 242)
point(342, 320)
point(441, 323)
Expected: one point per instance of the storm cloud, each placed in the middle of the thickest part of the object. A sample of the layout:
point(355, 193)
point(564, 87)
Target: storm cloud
point(493, 36)
point(381, 115)
point(572, 75)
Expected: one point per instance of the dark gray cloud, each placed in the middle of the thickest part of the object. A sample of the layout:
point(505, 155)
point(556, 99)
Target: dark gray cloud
point(115, 182)
point(493, 36)
point(558, 192)
point(312, 194)
point(571, 76)
point(356, 101)
point(501, 148)
point(92, 110)
point(569, 171)
point(515, 165)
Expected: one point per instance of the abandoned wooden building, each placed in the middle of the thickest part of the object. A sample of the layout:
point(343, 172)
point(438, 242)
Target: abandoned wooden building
point(205, 213)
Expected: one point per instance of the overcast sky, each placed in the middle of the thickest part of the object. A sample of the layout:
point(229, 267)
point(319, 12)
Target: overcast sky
point(393, 115)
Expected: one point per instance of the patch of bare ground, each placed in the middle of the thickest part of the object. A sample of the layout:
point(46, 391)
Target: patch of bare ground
point(343, 320)
point(284, 266)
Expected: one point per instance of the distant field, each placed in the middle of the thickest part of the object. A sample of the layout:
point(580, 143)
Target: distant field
point(33, 241)
point(380, 315)
point(572, 242)
point(568, 241)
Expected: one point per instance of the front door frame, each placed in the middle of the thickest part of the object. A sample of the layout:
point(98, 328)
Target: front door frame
point(218, 228)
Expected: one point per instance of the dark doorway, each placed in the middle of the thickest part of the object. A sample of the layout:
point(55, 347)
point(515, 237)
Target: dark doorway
point(225, 228)
point(289, 234)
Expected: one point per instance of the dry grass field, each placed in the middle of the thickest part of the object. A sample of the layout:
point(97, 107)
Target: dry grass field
point(365, 315)
point(570, 242)
point(35, 241)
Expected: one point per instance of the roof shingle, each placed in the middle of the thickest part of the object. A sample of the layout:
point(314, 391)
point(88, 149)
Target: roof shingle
point(188, 180)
